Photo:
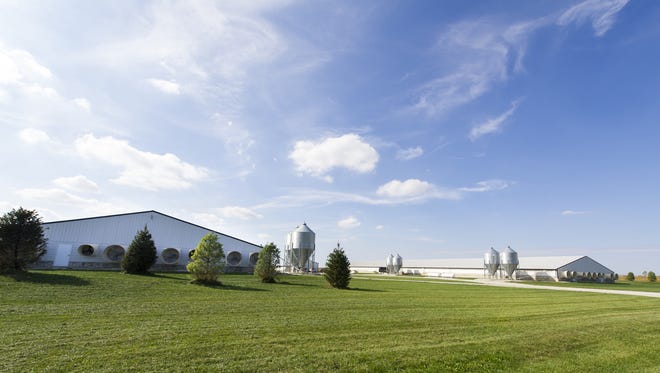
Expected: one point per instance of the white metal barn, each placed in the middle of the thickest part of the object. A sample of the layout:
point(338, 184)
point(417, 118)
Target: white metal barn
point(101, 242)
point(546, 268)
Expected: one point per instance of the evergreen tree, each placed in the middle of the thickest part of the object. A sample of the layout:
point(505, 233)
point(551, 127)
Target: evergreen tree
point(630, 276)
point(141, 253)
point(22, 240)
point(338, 269)
point(269, 260)
point(207, 261)
point(651, 276)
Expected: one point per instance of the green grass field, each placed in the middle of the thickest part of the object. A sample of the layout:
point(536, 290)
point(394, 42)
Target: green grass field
point(107, 321)
point(618, 285)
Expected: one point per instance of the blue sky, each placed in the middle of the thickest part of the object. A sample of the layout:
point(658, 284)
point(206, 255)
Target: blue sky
point(433, 129)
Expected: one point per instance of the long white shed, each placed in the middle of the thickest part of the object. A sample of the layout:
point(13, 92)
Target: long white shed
point(541, 268)
point(100, 242)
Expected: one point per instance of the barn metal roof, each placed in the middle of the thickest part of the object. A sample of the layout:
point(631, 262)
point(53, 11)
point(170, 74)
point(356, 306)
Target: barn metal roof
point(149, 212)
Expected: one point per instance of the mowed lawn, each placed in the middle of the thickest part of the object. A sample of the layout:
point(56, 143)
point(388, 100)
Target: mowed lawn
point(107, 321)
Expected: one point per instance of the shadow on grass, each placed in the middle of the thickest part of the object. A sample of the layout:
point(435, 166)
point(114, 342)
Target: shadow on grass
point(287, 283)
point(221, 286)
point(366, 290)
point(178, 278)
point(51, 278)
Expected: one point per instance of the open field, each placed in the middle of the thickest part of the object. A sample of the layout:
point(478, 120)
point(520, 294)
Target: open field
point(107, 321)
point(618, 285)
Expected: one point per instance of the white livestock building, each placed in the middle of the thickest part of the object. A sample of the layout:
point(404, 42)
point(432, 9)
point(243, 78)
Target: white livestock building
point(100, 242)
point(546, 268)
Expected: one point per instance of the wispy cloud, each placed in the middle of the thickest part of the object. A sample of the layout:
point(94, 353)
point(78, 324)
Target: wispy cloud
point(208, 220)
point(82, 103)
point(480, 53)
point(493, 125)
point(395, 192)
point(33, 136)
point(574, 212)
point(349, 223)
point(140, 169)
point(410, 153)
point(70, 201)
point(78, 183)
point(236, 137)
point(348, 151)
point(487, 186)
point(165, 86)
point(209, 47)
point(238, 212)
point(601, 13)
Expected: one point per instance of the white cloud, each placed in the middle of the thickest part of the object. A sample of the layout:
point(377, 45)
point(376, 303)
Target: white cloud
point(347, 151)
point(493, 125)
point(33, 136)
point(207, 220)
point(264, 236)
point(83, 103)
point(238, 212)
point(165, 86)
point(349, 223)
point(380, 227)
point(140, 169)
point(601, 13)
point(19, 67)
point(77, 183)
point(214, 47)
point(405, 189)
point(70, 201)
point(573, 212)
point(487, 186)
point(410, 153)
point(5, 207)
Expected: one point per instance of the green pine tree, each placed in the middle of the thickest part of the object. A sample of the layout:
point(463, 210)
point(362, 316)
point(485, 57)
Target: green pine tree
point(269, 260)
point(207, 261)
point(22, 240)
point(338, 269)
point(141, 253)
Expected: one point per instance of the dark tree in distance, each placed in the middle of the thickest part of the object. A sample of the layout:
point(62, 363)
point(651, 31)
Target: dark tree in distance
point(269, 260)
point(651, 276)
point(22, 240)
point(338, 269)
point(630, 276)
point(141, 254)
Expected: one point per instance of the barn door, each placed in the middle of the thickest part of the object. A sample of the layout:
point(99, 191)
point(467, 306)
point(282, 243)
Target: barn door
point(62, 256)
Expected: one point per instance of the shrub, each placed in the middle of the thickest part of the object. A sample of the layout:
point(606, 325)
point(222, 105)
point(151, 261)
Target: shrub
point(141, 254)
point(651, 276)
point(22, 240)
point(338, 269)
point(207, 260)
point(269, 260)
point(630, 276)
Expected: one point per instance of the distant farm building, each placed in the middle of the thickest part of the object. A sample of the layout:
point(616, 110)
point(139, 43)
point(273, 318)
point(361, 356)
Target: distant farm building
point(546, 268)
point(101, 242)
